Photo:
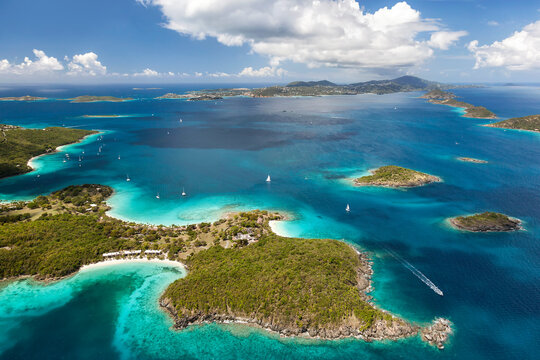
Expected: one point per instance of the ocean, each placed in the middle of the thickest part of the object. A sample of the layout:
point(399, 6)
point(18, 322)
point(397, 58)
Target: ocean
point(220, 154)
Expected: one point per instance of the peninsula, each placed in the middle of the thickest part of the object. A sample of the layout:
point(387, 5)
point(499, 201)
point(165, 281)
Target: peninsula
point(395, 176)
point(18, 145)
point(22, 98)
point(529, 123)
point(487, 221)
point(239, 270)
point(174, 96)
point(438, 96)
point(91, 98)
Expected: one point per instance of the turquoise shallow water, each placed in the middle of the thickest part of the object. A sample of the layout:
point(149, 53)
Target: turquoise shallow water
point(221, 153)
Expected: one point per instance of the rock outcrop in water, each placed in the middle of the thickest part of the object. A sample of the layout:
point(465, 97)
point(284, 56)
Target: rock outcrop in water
point(437, 334)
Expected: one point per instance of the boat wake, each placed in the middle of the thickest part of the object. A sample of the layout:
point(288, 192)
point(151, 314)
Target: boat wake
point(416, 272)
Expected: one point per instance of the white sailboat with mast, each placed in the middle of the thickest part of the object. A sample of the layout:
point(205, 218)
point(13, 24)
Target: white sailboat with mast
point(268, 179)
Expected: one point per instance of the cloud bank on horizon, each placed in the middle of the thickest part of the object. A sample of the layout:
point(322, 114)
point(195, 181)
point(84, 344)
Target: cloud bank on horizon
point(315, 34)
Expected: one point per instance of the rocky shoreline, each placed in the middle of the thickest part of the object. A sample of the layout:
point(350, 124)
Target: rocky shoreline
point(382, 329)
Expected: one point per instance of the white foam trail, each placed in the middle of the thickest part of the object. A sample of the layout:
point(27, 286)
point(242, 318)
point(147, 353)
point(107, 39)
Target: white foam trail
point(417, 273)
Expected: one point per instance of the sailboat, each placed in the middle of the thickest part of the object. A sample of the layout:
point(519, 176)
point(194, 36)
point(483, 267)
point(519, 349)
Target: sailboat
point(347, 209)
point(268, 179)
point(157, 196)
point(127, 178)
point(180, 120)
point(118, 157)
point(183, 192)
point(80, 159)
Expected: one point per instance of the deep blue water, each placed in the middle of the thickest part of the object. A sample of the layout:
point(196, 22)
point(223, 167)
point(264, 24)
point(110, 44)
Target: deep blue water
point(221, 153)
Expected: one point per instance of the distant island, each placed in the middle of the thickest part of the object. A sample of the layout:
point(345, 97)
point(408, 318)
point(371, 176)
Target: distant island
point(23, 98)
point(438, 96)
point(18, 145)
point(487, 221)
point(529, 123)
point(239, 270)
point(395, 176)
point(101, 116)
point(195, 96)
point(473, 160)
point(91, 98)
point(319, 88)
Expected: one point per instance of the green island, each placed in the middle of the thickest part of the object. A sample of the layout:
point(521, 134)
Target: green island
point(91, 98)
point(319, 88)
point(529, 123)
point(239, 270)
point(18, 145)
point(472, 160)
point(395, 176)
point(22, 98)
point(206, 95)
point(438, 96)
point(487, 221)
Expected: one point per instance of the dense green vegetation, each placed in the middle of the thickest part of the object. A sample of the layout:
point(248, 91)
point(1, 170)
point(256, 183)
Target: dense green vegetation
point(54, 235)
point(18, 145)
point(57, 245)
point(293, 282)
point(396, 176)
point(487, 221)
point(91, 98)
point(531, 123)
point(237, 266)
point(438, 94)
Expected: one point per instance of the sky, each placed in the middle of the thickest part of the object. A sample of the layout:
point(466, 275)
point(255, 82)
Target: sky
point(268, 41)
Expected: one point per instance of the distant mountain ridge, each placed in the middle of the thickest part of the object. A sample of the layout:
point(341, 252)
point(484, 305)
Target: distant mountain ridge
point(311, 83)
point(403, 83)
point(324, 87)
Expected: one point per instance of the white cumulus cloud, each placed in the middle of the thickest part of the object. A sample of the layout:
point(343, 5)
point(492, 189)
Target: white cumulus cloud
point(147, 72)
point(520, 51)
point(42, 63)
point(444, 39)
point(266, 71)
point(86, 64)
point(336, 33)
